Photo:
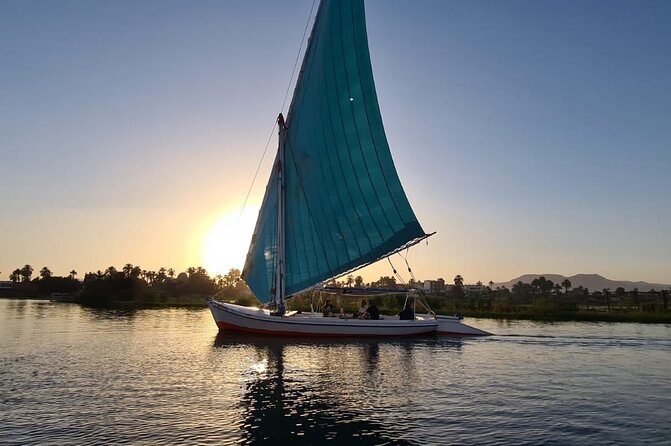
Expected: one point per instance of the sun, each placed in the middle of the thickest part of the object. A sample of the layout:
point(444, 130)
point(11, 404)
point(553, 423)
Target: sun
point(225, 245)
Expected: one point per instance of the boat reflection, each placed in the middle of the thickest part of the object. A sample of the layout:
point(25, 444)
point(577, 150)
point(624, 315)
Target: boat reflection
point(308, 392)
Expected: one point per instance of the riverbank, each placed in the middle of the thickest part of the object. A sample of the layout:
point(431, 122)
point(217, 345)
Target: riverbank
point(577, 316)
point(200, 301)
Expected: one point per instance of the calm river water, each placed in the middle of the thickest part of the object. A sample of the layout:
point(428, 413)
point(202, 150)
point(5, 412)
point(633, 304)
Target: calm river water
point(70, 375)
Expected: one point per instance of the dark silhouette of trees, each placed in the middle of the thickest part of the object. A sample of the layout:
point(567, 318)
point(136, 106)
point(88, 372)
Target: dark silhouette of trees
point(110, 271)
point(231, 277)
point(566, 284)
point(385, 282)
point(50, 284)
point(45, 273)
point(26, 273)
point(522, 290)
point(542, 285)
point(15, 276)
point(458, 289)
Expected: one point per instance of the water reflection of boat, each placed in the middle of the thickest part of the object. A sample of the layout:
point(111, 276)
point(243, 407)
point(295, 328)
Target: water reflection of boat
point(334, 202)
point(282, 402)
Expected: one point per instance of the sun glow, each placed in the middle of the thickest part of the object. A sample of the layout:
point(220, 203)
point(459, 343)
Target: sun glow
point(227, 241)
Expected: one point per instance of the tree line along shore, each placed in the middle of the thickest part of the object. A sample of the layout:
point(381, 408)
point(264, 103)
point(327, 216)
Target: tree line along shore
point(134, 287)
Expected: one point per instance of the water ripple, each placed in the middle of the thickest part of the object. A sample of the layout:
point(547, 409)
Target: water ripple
point(163, 377)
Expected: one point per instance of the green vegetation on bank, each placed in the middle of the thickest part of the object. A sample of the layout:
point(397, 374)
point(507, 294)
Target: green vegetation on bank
point(133, 287)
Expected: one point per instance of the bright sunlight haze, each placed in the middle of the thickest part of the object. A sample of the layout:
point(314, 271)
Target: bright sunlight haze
point(225, 246)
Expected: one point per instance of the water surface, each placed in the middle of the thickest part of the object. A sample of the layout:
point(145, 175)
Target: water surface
point(70, 375)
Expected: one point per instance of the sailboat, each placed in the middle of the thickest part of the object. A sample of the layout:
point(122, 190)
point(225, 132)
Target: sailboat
point(334, 202)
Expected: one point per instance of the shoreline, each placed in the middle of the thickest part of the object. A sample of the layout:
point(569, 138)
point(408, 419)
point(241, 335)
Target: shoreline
point(197, 301)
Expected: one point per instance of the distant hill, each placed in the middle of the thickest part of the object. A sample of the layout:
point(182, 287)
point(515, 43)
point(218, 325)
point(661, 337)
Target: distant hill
point(594, 282)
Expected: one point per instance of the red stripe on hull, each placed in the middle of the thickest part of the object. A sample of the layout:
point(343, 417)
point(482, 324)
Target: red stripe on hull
point(231, 327)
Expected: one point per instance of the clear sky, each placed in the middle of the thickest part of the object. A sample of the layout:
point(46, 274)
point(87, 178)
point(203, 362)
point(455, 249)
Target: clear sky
point(533, 136)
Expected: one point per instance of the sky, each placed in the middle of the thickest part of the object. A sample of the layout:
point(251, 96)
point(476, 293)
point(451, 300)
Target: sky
point(532, 136)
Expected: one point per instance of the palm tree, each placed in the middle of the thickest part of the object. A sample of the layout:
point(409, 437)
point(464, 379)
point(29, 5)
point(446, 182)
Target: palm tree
point(110, 271)
point(151, 276)
point(26, 273)
point(557, 288)
point(358, 281)
point(458, 281)
point(73, 274)
point(171, 273)
point(350, 281)
point(45, 273)
point(566, 284)
point(15, 276)
point(127, 270)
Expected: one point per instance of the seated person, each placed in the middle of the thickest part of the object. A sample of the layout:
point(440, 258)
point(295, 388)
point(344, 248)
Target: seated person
point(408, 314)
point(362, 310)
point(327, 309)
point(372, 312)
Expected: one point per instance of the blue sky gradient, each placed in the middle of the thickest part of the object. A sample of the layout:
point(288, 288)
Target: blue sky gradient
point(533, 136)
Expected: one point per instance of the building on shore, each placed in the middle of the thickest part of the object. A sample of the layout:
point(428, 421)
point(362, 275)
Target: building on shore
point(435, 286)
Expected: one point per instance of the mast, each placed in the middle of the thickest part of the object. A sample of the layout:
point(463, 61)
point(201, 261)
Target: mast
point(279, 267)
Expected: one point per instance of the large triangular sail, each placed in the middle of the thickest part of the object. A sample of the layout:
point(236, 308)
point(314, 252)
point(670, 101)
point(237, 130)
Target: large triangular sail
point(344, 206)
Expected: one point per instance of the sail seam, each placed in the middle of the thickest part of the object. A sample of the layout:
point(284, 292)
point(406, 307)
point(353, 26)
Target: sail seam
point(335, 224)
point(359, 145)
point(307, 204)
point(328, 75)
point(344, 134)
point(365, 108)
point(356, 131)
point(341, 157)
point(309, 224)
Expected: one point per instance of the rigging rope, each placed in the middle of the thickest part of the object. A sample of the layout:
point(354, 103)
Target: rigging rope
point(286, 95)
point(405, 257)
point(305, 31)
point(398, 276)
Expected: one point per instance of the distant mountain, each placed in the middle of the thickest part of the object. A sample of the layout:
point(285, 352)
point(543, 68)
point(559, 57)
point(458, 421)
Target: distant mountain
point(593, 282)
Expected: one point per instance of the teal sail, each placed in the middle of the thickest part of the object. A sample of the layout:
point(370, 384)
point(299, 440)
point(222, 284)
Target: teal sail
point(344, 206)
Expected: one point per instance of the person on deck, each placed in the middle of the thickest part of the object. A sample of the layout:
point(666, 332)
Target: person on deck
point(327, 309)
point(362, 310)
point(372, 312)
point(408, 314)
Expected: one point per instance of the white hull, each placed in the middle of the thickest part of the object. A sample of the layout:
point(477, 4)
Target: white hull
point(453, 325)
point(255, 320)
